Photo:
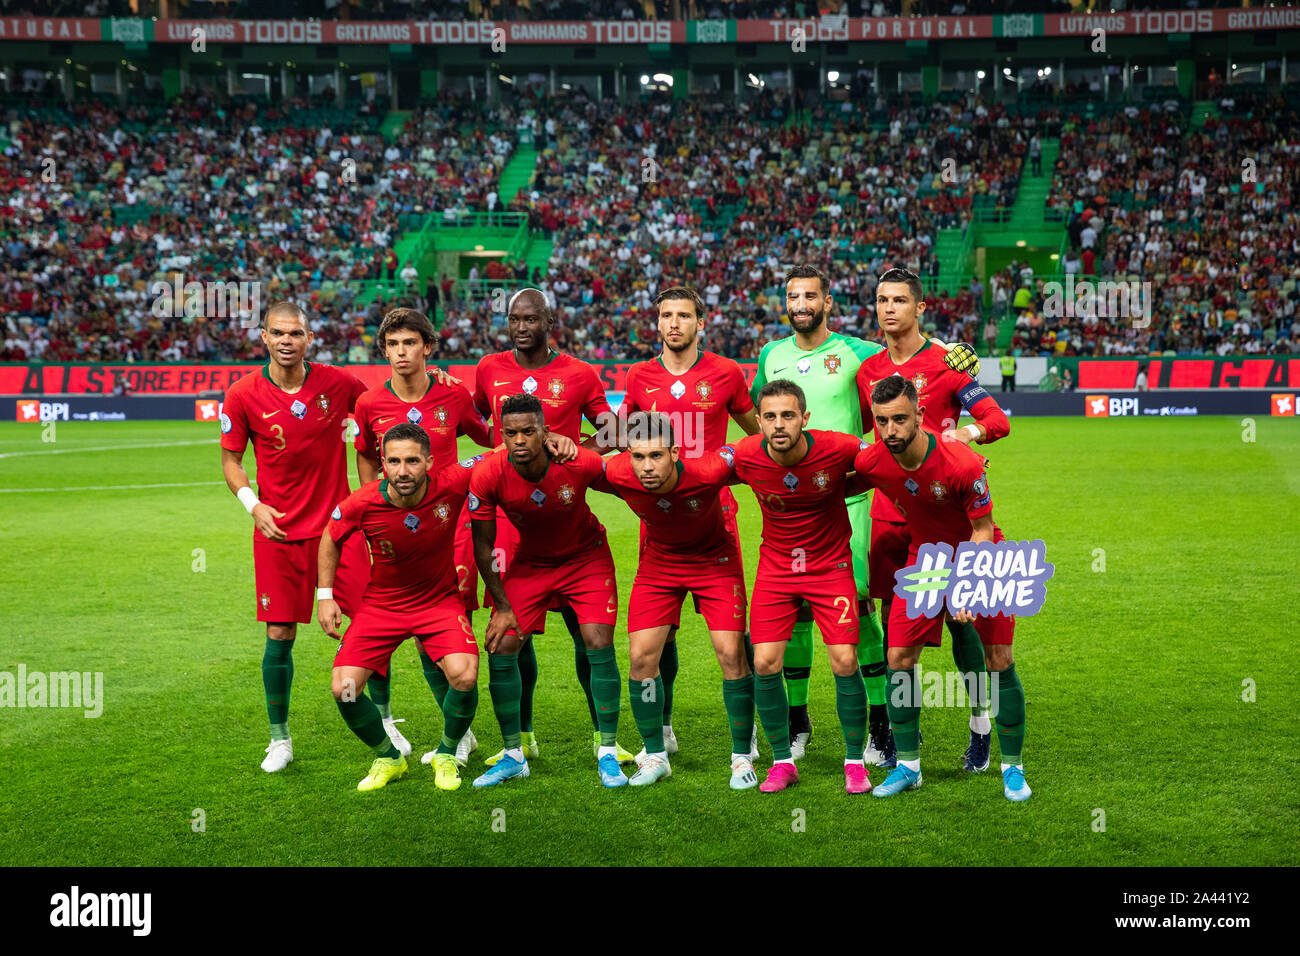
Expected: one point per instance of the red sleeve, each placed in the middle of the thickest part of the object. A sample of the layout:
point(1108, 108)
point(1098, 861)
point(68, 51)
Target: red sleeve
point(972, 485)
point(984, 408)
point(481, 400)
point(483, 489)
point(470, 422)
point(590, 465)
point(863, 464)
point(740, 400)
point(366, 441)
point(864, 397)
point(715, 471)
point(346, 517)
point(595, 404)
point(234, 422)
point(848, 447)
point(455, 479)
point(629, 394)
point(612, 471)
point(356, 389)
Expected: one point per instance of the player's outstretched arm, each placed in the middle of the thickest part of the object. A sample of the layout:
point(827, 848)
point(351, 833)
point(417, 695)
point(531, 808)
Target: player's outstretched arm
point(982, 529)
point(232, 468)
point(328, 613)
point(484, 532)
point(606, 437)
point(747, 420)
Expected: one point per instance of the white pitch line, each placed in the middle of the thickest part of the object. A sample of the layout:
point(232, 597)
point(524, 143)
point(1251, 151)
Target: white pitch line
point(167, 484)
point(70, 451)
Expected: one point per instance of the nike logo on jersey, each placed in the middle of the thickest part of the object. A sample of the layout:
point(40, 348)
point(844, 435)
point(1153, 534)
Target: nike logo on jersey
point(380, 421)
point(778, 371)
point(497, 384)
point(269, 414)
point(655, 389)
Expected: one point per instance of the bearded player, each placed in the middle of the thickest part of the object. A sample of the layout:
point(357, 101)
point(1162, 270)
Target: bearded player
point(686, 546)
point(294, 413)
point(699, 391)
point(943, 394)
point(563, 560)
point(798, 476)
point(941, 490)
point(409, 520)
point(569, 390)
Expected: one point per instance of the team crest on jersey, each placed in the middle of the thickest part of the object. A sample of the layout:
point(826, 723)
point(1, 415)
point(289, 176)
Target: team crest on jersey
point(804, 366)
point(790, 480)
point(414, 416)
point(440, 413)
point(538, 497)
point(821, 480)
point(530, 385)
point(919, 381)
point(337, 514)
point(411, 522)
point(938, 490)
point(677, 389)
point(703, 389)
point(911, 486)
point(832, 364)
point(565, 494)
point(556, 387)
point(443, 511)
point(324, 404)
point(266, 602)
point(298, 409)
point(664, 504)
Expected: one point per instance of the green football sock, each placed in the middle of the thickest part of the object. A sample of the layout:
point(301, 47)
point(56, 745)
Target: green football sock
point(362, 717)
point(774, 711)
point(871, 656)
point(904, 702)
point(738, 699)
point(668, 671)
point(581, 663)
point(648, 713)
point(527, 658)
point(968, 655)
point(277, 677)
point(851, 706)
point(1010, 719)
point(457, 717)
point(798, 664)
point(433, 674)
point(606, 691)
point(504, 688)
point(378, 689)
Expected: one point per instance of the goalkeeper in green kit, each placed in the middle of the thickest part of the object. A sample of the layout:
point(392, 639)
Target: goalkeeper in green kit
point(825, 365)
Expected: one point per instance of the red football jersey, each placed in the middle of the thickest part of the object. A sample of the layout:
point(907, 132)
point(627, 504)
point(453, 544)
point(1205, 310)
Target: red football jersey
point(685, 524)
point(444, 412)
point(805, 521)
point(411, 548)
point(551, 515)
point(299, 440)
point(938, 500)
point(569, 390)
point(942, 394)
point(699, 402)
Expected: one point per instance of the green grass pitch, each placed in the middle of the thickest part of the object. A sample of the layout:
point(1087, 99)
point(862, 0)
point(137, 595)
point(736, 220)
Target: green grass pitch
point(1140, 747)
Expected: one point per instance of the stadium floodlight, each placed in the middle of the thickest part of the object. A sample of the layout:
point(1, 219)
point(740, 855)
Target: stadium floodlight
point(979, 74)
point(833, 76)
point(1006, 71)
point(1047, 71)
point(664, 78)
point(645, 80)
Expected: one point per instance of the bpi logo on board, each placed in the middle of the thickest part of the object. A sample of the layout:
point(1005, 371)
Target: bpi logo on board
point(206, 409)
point(1103, 406)
point(1282, 405)
point(31, 410)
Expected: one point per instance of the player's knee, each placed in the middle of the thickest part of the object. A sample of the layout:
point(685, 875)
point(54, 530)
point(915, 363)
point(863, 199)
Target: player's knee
point(281, 632)
point(642, 663)
point(997, 657)
point(345, 688)
point(730, 659)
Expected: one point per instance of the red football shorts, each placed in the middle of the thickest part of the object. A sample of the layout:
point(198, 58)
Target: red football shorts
point(585, 583)
point(658, 591)
point(284, 573)
point(777, 597)
point(907, 631)
point(442, 628)
point(463, 556)
point(889, 548)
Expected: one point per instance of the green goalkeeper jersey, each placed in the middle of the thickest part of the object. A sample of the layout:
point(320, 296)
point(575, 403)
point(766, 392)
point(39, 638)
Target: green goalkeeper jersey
point(828, 376)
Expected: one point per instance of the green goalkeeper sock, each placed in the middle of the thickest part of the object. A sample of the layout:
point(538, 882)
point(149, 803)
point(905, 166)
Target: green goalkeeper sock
point(277, 677)
point(433, 674)
point(380, 692)
point(774, 711)
point(1011, 715)
point(647, 699)
point(606, 691)
point(362, 717)
point(798, 663)
point(504, 688)
point(968, 655)
point(871, 656)
point(904, 703)
point(527, 659)
point(457, 717)
point(851, 706)
point(738, 699)
point(668, 671)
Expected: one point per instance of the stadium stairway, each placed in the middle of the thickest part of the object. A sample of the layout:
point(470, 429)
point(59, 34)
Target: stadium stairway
point(393, 123)
point(1031, 197)
point(1201, 111)
point(947, 249)
point(517, 174)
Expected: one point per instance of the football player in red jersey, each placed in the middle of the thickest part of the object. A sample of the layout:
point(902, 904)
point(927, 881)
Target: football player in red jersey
point(407, 338)
point(569, 390)
point(941, 490)
point(686, 546)
point(294, 413)
point(943, 394)
point(799, 477)
point(563, 556)
point(409, 520)
point(700, 392)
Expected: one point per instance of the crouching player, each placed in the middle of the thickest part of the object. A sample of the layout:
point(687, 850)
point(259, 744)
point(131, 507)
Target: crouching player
point(941, 490)
point(687, 547)
point(409, 521)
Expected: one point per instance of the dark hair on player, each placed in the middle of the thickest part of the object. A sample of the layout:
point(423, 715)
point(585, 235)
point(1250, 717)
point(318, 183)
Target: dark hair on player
point(523, 405)
point(904, 275)
point(285, 305)
point(408, 431)
point(649, 426)
point(888, 389)
point(411, 320)
point(783, 386)
point(809, 272)
point(681, 292)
